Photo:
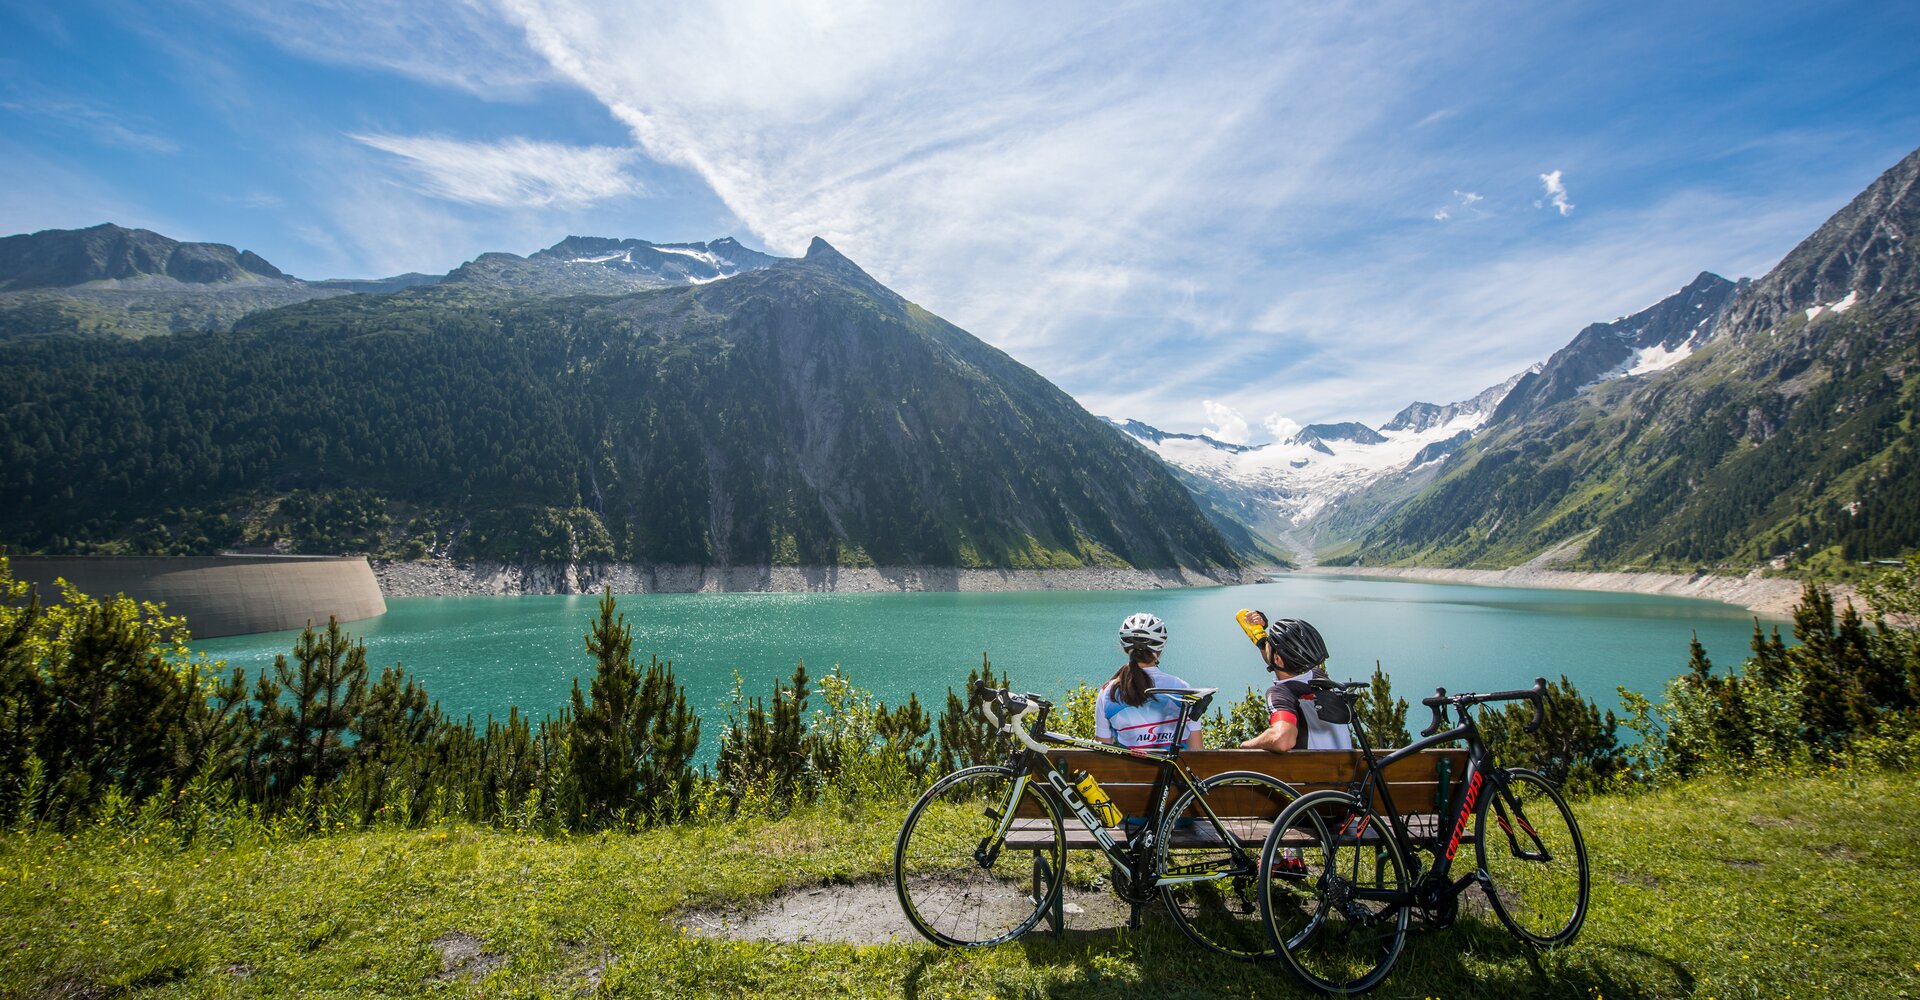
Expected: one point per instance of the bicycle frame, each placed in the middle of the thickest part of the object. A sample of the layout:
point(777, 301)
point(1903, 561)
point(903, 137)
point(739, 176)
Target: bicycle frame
point(1462, 809)
point(1136, 854)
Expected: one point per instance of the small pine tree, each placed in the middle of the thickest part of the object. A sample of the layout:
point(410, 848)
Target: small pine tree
point(395, 717)
point(604, 758)
point(1383, 716)
point(966, 737)
point(632, 738)
point(327, 690)
point(1576, 746)
point(905, 730)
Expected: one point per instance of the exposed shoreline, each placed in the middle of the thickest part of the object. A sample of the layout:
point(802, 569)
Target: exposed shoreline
point(436, 578)
point(1771, 596)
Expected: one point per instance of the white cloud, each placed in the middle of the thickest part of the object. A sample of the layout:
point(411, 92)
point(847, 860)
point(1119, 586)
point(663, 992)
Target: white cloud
point(1556, 190)
point(1202, 192)
point(1228, 424)
point(1087, 169)
point(1280, 427)
point(513, 172)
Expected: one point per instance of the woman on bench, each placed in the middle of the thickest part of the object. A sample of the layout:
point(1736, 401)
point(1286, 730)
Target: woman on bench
point(1124, 713)
point(1294, 652)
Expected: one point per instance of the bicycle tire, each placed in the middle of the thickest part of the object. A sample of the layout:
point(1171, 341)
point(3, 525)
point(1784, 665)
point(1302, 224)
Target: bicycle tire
point(1221, 914)
point(1331, 941)
point(948, 893)
point(1541, 899)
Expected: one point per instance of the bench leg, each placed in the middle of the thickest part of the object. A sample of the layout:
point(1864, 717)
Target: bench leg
point(1042, 872)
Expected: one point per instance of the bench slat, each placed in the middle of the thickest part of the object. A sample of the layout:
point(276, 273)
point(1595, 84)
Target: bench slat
point(1328, 767)
point(1414, 782)
point(1029, 835)
point(1408, 797)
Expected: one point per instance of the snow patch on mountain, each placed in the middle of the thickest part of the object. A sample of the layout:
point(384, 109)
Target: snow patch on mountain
point(1302, 475)
point(624, 256)
point(1658, 357)
point(1837, 308)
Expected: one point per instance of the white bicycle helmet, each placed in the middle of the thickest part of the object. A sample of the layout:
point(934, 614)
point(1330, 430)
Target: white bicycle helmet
point(1143, 630)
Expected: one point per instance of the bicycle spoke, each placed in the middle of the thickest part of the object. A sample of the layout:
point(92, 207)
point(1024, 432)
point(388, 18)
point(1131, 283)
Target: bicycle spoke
point(1540, 894)
point(1222, 912)
point(947, 894)
point(1334, 938)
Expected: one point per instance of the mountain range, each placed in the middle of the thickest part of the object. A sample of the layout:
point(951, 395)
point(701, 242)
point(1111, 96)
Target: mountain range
point(1730, 424)
point(133, 282)
point(708, 403)
point(696, 404)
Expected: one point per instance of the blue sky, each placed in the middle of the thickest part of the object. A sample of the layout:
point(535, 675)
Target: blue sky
point(1231, 218)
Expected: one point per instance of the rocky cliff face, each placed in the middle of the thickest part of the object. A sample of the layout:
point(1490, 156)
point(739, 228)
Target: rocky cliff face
point(1788, 433)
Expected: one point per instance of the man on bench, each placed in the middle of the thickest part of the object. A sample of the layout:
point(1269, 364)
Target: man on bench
point(1294, 652)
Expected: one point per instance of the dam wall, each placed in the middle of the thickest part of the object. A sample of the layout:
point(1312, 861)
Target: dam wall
point(221, 595)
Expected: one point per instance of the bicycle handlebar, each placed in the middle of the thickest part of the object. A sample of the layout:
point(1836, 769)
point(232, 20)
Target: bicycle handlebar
point(1014, 709)
point(1537, 694)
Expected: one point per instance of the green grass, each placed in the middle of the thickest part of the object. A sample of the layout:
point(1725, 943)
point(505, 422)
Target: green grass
point(1804, 887)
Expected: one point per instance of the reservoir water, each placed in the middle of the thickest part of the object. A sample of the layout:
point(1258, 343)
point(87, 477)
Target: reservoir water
point(478, 655)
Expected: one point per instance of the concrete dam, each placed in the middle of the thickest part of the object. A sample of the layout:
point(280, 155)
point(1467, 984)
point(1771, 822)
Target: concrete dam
point(221, 595)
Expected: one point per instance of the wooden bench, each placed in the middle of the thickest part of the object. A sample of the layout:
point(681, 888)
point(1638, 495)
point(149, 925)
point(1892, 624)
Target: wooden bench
point(1421, 786)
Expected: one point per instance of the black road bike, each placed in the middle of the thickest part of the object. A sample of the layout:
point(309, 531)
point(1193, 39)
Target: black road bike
point(1349, 871)
point(982, 856)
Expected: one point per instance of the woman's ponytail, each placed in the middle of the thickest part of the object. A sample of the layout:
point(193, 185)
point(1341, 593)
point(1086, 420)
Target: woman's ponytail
point(1130, 682)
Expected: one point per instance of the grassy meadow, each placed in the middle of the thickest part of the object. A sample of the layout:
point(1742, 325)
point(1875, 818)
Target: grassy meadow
point(1718, 887)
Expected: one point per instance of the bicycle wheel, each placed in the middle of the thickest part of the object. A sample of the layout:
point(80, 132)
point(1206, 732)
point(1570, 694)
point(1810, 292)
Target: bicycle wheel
point(1535, 859)
point(1219, 911)
point(1326, 865)
point(957, 884)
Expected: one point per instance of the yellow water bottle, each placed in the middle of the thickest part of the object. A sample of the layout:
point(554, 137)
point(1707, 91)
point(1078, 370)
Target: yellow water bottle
point(1097, 799)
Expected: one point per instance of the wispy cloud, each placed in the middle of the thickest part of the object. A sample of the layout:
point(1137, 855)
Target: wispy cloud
point(1465, 200)
point(1556, 192)
point(452, 43)
point(512, 173)
point(1152, 205)
point(1094, 174)
point(98, 123)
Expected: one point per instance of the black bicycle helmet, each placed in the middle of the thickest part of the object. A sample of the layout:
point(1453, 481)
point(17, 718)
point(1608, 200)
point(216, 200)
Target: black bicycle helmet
point(1297, 642)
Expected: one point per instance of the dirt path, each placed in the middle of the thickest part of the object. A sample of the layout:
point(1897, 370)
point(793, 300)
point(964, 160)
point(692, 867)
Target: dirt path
point(864, 913)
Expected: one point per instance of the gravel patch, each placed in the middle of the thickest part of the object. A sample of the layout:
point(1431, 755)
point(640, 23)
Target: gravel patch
point(464, 957)
point(867, 913)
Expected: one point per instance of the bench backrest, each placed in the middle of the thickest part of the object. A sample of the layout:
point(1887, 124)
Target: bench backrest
point(1420, 784)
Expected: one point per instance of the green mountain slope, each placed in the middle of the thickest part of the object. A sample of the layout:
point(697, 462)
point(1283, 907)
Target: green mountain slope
point(798, 414)
point(1792, 434)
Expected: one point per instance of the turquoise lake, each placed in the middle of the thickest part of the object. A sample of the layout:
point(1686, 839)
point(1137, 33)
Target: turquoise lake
point(478, 655)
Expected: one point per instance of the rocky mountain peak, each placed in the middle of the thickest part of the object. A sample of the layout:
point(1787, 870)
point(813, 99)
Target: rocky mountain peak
point(1351, 430)
point(1863, 252)
point(1651, 340)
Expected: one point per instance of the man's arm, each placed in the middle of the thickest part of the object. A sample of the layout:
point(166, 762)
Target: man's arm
point(1280, 737)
